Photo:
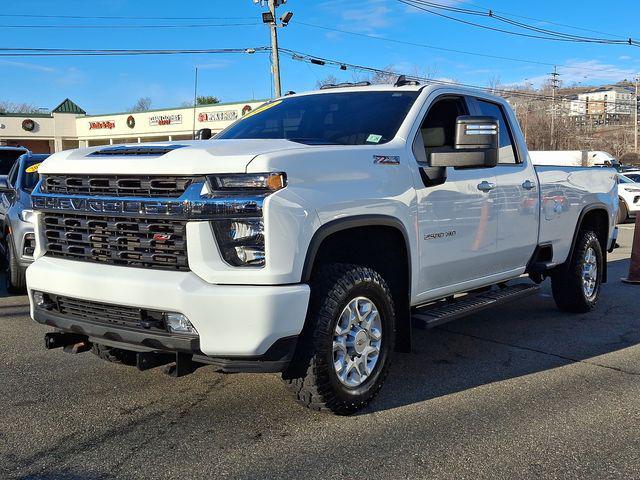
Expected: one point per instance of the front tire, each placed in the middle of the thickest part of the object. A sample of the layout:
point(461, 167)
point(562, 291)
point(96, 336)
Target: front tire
point(623, 212)
point(576, 286)
point(344, 353)
point(15, 275)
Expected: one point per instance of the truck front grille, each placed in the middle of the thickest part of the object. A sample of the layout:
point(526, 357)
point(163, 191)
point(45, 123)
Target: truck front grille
point(117, 315)
point(118, 185)
point(133, 242)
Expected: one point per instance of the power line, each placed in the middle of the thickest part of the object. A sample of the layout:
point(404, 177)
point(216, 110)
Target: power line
point(550, 22)
point(116, 17)
point(450, 50)
point(62, 52)
point(194, 25)
point(321, 61)
point(539, 33)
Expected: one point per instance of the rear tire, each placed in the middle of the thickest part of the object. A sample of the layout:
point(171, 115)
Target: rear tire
point(15, 275)
point(623, 212)
point(114, 355)
point(576, 285)
point(344, 353)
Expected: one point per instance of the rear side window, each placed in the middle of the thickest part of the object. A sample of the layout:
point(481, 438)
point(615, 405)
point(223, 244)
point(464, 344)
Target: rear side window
point(507, 150)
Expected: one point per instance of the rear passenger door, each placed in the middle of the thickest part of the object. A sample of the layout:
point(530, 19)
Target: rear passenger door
point(516, 193)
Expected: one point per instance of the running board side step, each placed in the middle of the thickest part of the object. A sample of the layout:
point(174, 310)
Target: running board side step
point(444, 311)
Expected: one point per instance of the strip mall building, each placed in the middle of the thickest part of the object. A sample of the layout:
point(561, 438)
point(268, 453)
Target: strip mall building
point(68, 126)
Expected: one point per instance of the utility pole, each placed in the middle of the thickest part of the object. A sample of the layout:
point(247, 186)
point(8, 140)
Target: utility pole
point(635, 118)
point(273, 4)
point(554, 87)
point(271, 19)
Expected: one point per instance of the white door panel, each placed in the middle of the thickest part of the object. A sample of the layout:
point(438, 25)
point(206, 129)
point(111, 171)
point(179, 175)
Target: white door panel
point(457, 229)
point(518, 211)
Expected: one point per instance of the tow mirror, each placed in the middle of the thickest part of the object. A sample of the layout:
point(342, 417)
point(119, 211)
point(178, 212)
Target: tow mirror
point(203, 134)
point(476, 144)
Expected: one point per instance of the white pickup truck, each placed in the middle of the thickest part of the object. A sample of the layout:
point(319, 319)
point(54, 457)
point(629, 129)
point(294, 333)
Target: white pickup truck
point(311, 236)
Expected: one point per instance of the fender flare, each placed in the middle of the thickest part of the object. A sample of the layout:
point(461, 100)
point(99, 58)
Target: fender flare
point(583, 213)
point(329, 228)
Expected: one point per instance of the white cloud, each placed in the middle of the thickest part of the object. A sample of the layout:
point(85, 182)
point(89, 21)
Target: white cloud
point(366, 16)
point(586, 72)
point(27, 66)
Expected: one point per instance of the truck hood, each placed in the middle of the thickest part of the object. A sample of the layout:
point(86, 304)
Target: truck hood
point(191, 157)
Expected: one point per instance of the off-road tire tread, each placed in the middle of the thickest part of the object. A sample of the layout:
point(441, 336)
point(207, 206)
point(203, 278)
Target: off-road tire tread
point(313, 389)
point(623, 212)
point(16, 281)
point(566, 283)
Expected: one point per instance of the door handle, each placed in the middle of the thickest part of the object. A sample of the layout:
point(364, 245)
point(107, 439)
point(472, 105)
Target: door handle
point(485, 186)
point(528, 185)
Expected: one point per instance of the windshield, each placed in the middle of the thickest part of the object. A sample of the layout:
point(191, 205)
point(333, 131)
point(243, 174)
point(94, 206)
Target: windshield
point(633, 176)
point(29, 179)
point(351, 118)
point(623, 179)
point(8, 158)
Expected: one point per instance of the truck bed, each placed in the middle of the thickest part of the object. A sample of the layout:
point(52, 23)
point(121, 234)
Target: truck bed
point(565, 192)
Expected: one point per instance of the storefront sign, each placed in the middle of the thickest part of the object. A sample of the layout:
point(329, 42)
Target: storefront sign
point(227, 116)
point(175, 118)
point(104, 125)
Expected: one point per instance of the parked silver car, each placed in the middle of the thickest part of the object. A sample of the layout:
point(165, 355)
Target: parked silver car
point(18, 239)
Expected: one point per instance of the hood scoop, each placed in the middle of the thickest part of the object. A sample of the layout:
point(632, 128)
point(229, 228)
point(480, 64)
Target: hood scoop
point(136, 151)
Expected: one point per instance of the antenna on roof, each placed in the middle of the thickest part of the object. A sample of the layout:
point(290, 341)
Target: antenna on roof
point(403, 80)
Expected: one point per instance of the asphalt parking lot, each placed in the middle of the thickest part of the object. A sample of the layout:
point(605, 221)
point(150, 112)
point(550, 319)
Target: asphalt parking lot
point(522, 391)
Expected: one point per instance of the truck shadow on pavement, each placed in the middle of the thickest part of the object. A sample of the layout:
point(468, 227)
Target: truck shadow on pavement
point(514, 340)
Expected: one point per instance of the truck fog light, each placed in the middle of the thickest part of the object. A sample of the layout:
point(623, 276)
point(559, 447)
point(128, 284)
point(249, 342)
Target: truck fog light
point(38, 299)
point(42, 300)
point(178, 323)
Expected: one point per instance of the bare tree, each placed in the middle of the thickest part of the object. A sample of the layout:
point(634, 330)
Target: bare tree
point(9, 107)
point(328, 80)
point(142, 105)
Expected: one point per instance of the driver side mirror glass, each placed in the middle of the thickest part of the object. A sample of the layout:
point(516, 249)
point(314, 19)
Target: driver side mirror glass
point(4, 185)
point(477, 141)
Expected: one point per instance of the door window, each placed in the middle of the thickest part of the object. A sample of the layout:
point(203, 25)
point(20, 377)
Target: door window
point(507, 151)
point(438, 129)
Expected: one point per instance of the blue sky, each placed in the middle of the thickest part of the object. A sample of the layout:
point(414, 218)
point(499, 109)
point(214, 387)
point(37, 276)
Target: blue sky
point(110, 84)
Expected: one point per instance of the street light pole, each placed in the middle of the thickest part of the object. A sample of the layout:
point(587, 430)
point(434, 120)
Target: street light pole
point(195, 102)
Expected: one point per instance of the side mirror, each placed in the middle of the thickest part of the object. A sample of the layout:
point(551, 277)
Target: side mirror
point(476, 145)
point(203, 134)
point(4, 185)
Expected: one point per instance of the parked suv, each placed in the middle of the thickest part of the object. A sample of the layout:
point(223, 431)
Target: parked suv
point(311, 236)
point(16, 217)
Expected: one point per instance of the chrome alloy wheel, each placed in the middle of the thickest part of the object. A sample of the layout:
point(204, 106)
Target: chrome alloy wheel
point(589, 273)
point(356, 342)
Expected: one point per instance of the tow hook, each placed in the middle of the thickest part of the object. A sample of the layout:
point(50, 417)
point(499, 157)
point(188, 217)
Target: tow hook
point(175, 364)
point(60, 339)
point(69, 342)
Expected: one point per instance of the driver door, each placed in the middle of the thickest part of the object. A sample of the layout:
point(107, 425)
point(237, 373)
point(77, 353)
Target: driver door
point(457, 218)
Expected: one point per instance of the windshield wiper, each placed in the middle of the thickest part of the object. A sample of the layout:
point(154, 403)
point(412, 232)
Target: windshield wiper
point(313, 141)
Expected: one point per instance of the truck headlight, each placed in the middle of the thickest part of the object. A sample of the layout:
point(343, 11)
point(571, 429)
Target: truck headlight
point(247, 182)
point(241, 241)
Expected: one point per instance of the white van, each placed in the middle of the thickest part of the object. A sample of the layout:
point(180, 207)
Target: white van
point(573, 158)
